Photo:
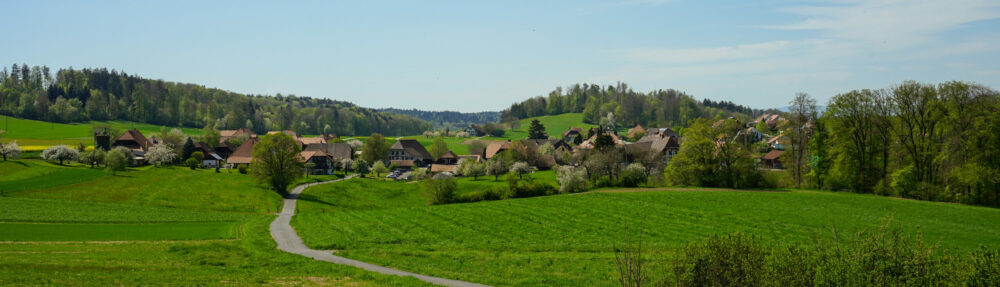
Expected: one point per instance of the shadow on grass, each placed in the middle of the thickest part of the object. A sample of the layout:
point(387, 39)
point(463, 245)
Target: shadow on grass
point(312, 198)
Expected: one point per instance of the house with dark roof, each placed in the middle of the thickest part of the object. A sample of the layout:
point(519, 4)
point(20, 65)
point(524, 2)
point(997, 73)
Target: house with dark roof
point(655, 145)
point(321, 162)
point(211, 159)
point(571, 134)
point(134, 141)
point(447, 158)
point(772, 160)
point(410, 150)
point(336, 151)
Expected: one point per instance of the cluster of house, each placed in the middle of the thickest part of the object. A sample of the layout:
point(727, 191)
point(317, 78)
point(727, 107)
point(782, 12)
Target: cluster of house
point(227, 154)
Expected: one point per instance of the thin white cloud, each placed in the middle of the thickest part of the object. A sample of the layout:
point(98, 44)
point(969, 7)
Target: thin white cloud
point(890, 24)
point(694, 55)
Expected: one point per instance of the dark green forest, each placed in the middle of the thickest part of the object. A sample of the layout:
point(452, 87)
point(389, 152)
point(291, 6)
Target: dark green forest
point(448, 119)
point(659, 108)
point(98, 94)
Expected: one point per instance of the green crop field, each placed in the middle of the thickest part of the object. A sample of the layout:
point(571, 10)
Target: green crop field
point(251, 258)
point(38, 133)
point(114, 231)
point(149, 226)
point(566, 240)
point(201, 190)
point(554, 125)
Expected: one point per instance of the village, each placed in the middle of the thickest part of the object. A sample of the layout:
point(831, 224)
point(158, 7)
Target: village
point(325, 154)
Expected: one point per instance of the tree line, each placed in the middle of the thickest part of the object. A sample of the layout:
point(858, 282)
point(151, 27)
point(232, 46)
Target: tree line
point(932, 142)
point(660, 108)
point(98, 94)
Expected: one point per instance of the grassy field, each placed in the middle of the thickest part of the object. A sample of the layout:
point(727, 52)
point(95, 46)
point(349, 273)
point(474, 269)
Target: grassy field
point(566, 240)
point(30, 133)
point(554, 125)
point(149, 226)
point(201, 190)
point(369, 194)
point(250, 259)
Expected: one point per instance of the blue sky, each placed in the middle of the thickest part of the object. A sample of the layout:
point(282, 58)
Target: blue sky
point(474, 55)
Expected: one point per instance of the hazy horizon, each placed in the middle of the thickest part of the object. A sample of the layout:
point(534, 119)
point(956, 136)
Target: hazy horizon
point(473, 57)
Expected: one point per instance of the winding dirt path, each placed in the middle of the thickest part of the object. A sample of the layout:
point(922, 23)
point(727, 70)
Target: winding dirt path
point(289, 241)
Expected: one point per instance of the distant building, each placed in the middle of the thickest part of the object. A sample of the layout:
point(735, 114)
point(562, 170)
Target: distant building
point(410, 150)
point(135, 142)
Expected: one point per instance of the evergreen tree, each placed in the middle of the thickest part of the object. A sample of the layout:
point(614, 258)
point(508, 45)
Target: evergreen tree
point(536, 130)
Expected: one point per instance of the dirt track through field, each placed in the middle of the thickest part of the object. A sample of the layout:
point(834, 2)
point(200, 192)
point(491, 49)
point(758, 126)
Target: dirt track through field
point(289, 241)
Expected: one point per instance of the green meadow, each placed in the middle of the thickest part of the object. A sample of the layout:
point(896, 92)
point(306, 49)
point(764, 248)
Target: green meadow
point(567, 240)
point(554, 125)
point(38, 133)
point(148, 226)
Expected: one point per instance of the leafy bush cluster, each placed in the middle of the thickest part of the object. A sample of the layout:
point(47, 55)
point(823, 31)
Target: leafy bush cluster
point(885, 257)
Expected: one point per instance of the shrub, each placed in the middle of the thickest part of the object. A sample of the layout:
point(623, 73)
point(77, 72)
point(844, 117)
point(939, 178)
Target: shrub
point(192, 163)
point(491, 193)
point(634, 175)
point(885, 257)
point(198, 155)
point(571, 179)
point(242, 168)
point(118, 159)
point(441, 188)
point(904, 181)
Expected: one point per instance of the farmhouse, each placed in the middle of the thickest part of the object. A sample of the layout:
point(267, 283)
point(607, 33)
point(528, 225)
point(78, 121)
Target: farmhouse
point(496, 147)
point(655, 145)
point(447, 158)
point(637, 130)
point(475, 131)
point(226, 135)
point(243, 154)
point(410, 150)
point(322, 163)
point(772, 159)
point(211, 158)
point(571, 134)
point(336, 151)
point(310, 141)
point(135, 142)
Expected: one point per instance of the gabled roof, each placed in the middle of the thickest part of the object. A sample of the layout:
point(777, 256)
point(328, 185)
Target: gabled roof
point(496, 147)
point(135, 136)
point(773, 155)
point(572, 130)
point(448, 154)
point(311, 140)
point(335, 150)
point(413, 148)
point(287, 132)
point(243, 154)
point(236, 132)
point(306, 155)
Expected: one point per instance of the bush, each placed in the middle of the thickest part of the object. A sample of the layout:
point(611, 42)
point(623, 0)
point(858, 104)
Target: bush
point(571, 179)
point(442, 189)
point(634, 175)
point(242, 169)
point(192, 163)
point(531, 189)
point(885, 257)
point(492, 193)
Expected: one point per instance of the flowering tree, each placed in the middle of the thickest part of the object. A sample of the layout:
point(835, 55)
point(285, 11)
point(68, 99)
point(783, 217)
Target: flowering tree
point(60, 153)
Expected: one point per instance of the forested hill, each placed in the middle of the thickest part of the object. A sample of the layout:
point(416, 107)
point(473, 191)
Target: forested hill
point(661, 108)
point(449, 119)
point(98, 94)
